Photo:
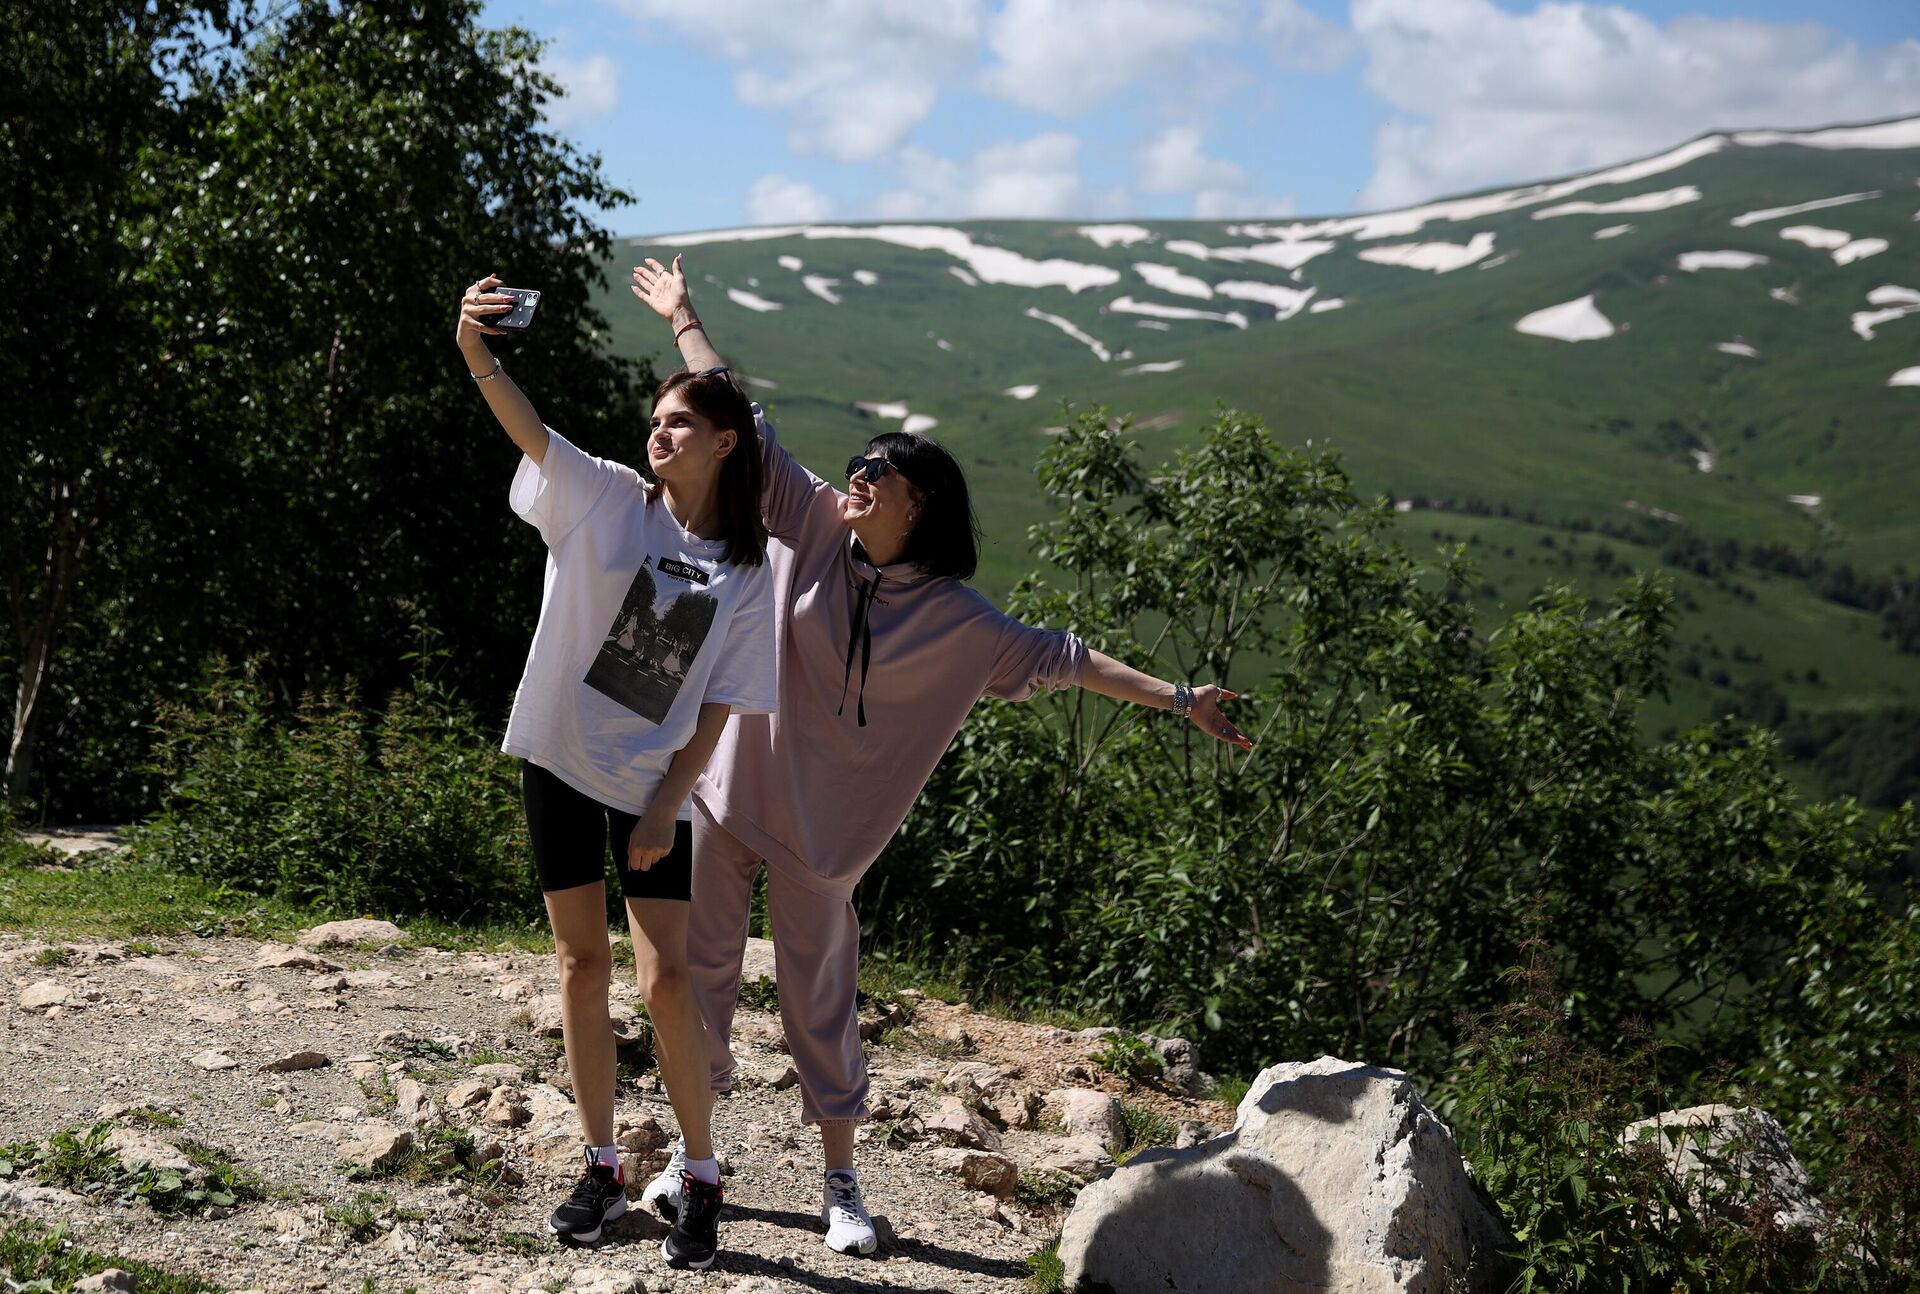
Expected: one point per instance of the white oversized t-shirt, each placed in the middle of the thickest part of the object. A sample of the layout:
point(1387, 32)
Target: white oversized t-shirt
point(640, 623)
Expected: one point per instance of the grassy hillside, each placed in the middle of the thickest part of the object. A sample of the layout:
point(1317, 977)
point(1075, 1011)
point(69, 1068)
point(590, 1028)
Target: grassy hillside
point(1544, 451)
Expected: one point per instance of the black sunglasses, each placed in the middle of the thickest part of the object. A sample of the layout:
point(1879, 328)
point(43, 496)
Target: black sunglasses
point(871, 468)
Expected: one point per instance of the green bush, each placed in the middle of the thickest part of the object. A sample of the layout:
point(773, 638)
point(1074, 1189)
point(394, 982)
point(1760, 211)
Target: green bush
point(1420, 776)
point(412, 810)
point(1542, 1118)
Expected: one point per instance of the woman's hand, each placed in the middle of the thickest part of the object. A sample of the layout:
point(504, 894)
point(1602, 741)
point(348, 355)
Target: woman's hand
point(664, 290)
point(477, 305)
point(652, 837)
point(1206, 715)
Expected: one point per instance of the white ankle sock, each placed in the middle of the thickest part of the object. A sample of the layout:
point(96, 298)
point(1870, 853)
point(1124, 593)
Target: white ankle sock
point(607, 1155)
point(705, 1170)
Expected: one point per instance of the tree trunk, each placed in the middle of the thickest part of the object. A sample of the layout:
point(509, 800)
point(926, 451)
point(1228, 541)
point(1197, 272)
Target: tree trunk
point(36, 632)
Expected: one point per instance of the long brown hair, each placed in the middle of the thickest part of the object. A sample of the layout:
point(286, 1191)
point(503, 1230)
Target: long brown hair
point(719, 399)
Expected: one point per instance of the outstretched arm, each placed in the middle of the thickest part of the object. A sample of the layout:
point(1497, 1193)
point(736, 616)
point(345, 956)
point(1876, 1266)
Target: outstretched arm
point(665, 293)
point(1109, 677)
point(516, 413)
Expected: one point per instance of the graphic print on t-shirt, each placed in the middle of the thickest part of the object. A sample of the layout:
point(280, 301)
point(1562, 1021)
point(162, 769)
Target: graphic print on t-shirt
point(653, 639)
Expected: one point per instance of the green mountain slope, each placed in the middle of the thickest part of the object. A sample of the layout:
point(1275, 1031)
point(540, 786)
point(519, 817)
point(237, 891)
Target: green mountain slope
point(1421, 378)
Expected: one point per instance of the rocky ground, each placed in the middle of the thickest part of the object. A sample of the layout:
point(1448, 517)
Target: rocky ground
point(333, 1073)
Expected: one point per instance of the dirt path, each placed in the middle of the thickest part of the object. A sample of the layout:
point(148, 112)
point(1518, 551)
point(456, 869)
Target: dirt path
point(417, 1040)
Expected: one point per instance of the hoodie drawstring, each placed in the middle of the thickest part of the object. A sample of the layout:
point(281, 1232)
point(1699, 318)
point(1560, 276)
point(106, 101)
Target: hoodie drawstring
point(862, 631)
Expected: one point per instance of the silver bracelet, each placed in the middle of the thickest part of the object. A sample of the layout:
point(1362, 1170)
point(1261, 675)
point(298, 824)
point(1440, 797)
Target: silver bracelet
point(1182, 700)
point(487, 377)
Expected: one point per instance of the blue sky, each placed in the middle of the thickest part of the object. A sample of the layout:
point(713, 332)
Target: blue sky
point(727, 112)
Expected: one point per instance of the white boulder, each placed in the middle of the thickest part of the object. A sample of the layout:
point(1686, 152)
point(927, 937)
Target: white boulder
point(1724, 1156)
point(1335, 1176)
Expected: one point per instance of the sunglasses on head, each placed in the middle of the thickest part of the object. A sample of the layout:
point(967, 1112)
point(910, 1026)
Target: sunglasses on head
point(871, 468)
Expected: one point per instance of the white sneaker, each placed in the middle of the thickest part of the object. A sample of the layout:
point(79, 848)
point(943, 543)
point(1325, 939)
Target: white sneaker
point(849, 1229)
point(664, 1194)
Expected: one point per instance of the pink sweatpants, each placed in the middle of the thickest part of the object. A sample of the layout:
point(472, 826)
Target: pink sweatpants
point(816, 954)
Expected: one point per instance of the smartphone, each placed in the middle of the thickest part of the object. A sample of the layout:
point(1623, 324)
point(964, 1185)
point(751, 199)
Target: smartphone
point(526, 301)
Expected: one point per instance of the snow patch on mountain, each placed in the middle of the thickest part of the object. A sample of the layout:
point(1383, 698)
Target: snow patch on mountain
point(865, 278)
point(1168, 279)
point(1693, 262)
point(1799, 208)
point(895, 409)
point(963, 276)
point(1286, 254)
point(792, 263)
point(1905, 377)
point(1286, 302)
point(988, 264)
point(1072, 330)
point(1440, 258)
point(1328, 303)
point(1639, 202)
point(822, 286)
point(1735, 348)
point(1127, 305)
point(1025, 391)
point(1105, 236)
point(1578, 320)
point(1814, 236)
point(1612, 231)
point(1158, 366)
point(741, 297)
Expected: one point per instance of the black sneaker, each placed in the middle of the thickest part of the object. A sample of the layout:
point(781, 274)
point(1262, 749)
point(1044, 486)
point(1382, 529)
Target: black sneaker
point(598, 1198)
point(695, 1237)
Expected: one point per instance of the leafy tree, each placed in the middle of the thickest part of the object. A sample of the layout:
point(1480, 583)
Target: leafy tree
point(105, 102)
point(635, 620)
point(300, 458)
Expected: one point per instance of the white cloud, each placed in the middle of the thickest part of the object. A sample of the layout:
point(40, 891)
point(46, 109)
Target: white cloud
point(1037, 177)
point(1065, 56)
point(1175, 161)
point(779, 200)
point(590, 89)
point(1486, 96)
point(1301, 40)
point(848, 79)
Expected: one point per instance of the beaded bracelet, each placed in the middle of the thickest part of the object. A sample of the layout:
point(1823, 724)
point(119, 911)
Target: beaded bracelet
point(487, 376)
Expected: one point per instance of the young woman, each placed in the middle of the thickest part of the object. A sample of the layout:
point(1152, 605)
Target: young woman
point(655, 624)
point(883, 649)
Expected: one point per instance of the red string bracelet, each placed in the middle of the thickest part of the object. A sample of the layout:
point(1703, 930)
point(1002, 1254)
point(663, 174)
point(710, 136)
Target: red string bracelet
point(684, 327)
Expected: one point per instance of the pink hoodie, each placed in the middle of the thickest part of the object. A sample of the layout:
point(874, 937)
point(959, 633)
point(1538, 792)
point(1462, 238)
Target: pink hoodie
point(809, 788)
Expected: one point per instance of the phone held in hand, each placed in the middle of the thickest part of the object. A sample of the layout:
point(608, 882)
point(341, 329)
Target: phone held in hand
point(526, 301)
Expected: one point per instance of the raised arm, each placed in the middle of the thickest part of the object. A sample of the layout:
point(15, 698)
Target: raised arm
point(509, 404)
point(665, 292)
point(1109, 677)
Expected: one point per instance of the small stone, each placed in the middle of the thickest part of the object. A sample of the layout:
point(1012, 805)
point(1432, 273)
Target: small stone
point(358, 931)
point(211, 1013)
point(955, 1121)
point(989, 1208)
point(112, 1278)
point(643, 1138)
point(515, 990)
point(411, 1102)
point(507, 1109)
point(788, 1077)
point(473, 1092)
point(328, 983)
point(214, 1059)
point(133, 1145)
point(1081, 1158)
point(499, 1073)
point(982, 1171)
point(1192, 1132)
point(975, 1074)
point(376, 1146)
point(46, 993)
point(311, 1128)
point(372, 979)
point(282, 957)
point(283, 1107)
point(295, 1061)
point(1084, 1112)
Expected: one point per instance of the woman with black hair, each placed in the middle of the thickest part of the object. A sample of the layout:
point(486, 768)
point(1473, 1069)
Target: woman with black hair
point(882, 651)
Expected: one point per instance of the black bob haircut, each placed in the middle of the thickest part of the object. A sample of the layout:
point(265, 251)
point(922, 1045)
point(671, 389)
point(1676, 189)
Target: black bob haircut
point(946, 538)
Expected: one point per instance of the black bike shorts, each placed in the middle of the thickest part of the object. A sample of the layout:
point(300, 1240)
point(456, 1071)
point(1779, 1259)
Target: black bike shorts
point(574, 835)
